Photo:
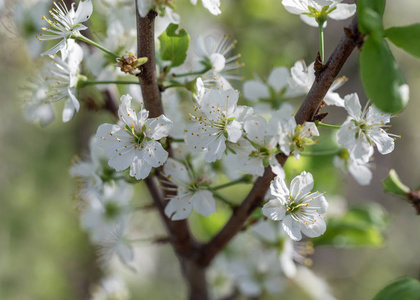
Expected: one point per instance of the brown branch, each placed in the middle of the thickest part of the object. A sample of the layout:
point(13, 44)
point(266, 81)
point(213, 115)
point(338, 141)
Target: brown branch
point(184, 244)
point(324, 78)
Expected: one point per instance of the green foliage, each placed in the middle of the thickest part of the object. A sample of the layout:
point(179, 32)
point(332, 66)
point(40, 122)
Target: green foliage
point(381, 77)
point(370, 14)
point(401, 289)
point(359, 227)
point(393, 185)
point(407, 38)
point(173, 45)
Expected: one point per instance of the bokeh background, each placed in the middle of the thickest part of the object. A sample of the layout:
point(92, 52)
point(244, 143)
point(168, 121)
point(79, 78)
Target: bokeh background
point(45, 255)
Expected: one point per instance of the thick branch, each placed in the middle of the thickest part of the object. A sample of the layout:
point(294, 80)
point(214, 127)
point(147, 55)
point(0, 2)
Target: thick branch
point(148, 78)
point(184, 244)
point(324, 78)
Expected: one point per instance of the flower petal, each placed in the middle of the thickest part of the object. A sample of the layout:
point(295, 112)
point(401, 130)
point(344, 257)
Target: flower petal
point(352, 105)
point(343, 11)
point(84, 11)
point(204, 203)
point(274, 210)
point(255, 90)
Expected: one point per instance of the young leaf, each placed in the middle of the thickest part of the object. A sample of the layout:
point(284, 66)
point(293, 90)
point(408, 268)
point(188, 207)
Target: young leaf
point(401, 289)
point(370, 14)
point(407, 38)
point(381, 77)
point(173, 45)
point(393, 185)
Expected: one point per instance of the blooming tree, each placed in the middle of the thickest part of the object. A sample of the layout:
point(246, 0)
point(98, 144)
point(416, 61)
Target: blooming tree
point(229, 135)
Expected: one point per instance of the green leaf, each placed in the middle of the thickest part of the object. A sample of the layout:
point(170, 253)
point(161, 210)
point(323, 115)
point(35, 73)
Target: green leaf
point(393, 185)
point(381, 77)
point(359, 227)
point(173, 45)
point(401, 289)
point(370, 14)
point(407, 38)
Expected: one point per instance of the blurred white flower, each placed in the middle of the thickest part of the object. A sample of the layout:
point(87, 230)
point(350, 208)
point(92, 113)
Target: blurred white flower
point(191, 192)
point(111, 288)
point(359, 169)
point(64, 79)
point(297, 208)
point(135, 144)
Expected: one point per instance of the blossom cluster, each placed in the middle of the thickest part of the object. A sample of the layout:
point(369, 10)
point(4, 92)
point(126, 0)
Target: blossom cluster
point(207, 127)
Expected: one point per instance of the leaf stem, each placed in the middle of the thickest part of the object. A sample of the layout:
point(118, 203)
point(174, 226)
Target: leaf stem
point(328, 125)
point(243, 179)
point(89, 41)
point(191, 73)
point(92, 82)
point(321, 40)
point(321, 153)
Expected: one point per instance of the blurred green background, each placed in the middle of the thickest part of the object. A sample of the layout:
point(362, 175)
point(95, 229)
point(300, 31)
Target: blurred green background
point(45, 255)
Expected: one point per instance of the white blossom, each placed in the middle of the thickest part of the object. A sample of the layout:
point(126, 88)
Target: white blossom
point(64, 79)
point(264, 149)
point(362, 129)
point(134, 144)
point(302, 79)
point(299, 210)
point(214, 56)
point(66, 23)
point(102, 214)
point(221, 121)
point(292, 137)
point(191, 192)
point(36, 107)
point(213, 6)
point(313, 11)
point(92, 172)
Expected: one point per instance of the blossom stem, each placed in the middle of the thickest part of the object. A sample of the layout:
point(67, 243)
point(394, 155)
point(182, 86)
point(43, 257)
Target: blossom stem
point(177, 140)
point(321, 40)
point(191, 73)
point(89, 41)
point(154, 240)
point(327, 125)
point(322, 153)
point(244, 179)
point(223, 199)
point(92, 82)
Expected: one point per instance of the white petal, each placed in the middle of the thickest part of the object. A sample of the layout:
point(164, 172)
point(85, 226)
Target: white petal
point(176, 170)
point(212, 6)
point(126, 113)
point(375, 116)
point(274, 210)
point(343, 11)
point(140, 168)
point(204, 203)
point(256, 128)
point(346, 135)
point(301, 185)
point(217, 61)
point(362, 149)
point(291, 228)
point(279, 189)
point(332, 98)
point(123, 161)
point(309, 130)
point(215, 149)
point(242, 113)
point(255, 90)
point(159, 127)
point(234, 130)
point(144, 7)
point(383, 142)
point(316, 229)
point(361, 173)
point(278, 78)
point(311, 21)
point(154, 154)
point(295, 7)
point(84, 11)
point(352, 105)
point(266, 230)
point(60, 46)
point(70, 107)
point(179, 208)
point(276, 167)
